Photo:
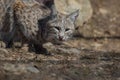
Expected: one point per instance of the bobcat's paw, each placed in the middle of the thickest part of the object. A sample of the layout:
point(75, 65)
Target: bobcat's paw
point(2, 44)
point(41, 50)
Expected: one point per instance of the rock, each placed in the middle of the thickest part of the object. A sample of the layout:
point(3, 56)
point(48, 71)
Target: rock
point(105, 20)
point(32, 69)
point(69, 6)
point(4, 51)
point(20, 68)
point(15, 68)
point(103, 11)
point(68, 51)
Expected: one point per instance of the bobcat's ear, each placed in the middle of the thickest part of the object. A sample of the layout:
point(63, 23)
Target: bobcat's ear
point(53, 11)
point(73, 16)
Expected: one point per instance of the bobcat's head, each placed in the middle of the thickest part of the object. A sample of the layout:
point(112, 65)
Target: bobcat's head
point(59, 27)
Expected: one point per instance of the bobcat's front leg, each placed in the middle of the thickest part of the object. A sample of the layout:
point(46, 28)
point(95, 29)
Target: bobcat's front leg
point(2, 44)
point(39, 49)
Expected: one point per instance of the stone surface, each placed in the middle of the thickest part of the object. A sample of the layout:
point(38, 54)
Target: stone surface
point(32, 69)
point(15, 68)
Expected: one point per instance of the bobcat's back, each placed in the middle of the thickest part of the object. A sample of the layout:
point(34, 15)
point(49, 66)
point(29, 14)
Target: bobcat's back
point(27, 13)
point(23, 15)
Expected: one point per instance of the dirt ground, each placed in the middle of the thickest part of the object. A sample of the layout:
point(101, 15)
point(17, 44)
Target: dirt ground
point(83, 58)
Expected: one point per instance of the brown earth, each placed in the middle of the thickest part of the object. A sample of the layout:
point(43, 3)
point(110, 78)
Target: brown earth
point(85, 58)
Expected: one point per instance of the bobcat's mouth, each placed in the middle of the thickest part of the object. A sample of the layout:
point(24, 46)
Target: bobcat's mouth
point(56, 41)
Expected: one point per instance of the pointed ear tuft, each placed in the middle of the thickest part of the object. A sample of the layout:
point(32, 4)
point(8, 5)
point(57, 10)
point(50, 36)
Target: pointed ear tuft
point(73, 16)
point(53, 11)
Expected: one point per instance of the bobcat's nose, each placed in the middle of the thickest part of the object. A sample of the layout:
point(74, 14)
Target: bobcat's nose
point(61, 38)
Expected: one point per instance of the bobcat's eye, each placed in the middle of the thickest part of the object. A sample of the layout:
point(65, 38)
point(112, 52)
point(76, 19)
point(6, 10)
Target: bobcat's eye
point(67, 29)
point(57, 28)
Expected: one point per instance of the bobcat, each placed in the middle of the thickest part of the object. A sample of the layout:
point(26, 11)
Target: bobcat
point(39, 25)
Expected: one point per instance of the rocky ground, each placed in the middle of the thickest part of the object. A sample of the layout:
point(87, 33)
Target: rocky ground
point(83, 58)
